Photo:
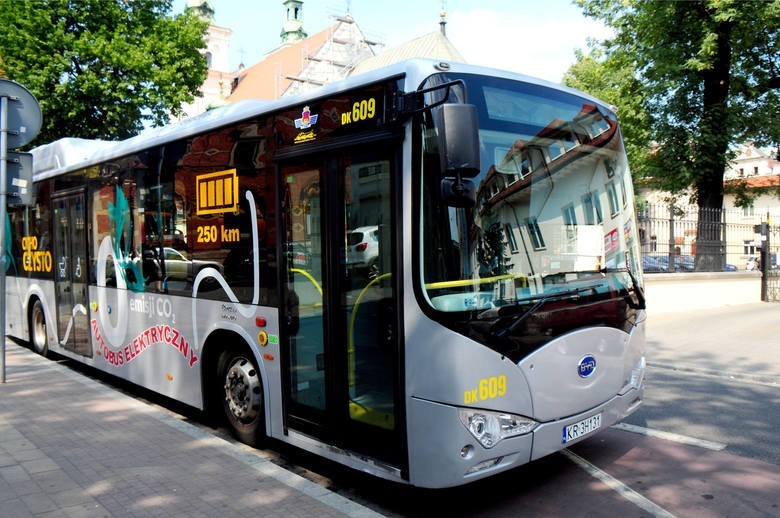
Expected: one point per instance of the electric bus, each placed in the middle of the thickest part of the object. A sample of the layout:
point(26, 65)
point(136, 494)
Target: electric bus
point(497, 316)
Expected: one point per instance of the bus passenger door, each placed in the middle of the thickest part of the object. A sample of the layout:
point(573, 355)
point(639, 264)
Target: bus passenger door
point(340, 340)
point(70, 263)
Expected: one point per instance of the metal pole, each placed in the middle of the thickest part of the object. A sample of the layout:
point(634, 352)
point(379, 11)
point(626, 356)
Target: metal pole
point(3, 212)
point(670, 265)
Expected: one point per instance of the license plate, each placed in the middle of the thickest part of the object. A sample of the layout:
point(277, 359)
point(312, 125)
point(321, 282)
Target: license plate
point(581, 428)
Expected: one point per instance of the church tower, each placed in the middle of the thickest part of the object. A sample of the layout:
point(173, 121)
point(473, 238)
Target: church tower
point(292, 30)
point(216, 88)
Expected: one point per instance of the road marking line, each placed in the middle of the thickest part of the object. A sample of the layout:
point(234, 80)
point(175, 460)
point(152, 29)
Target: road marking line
point(669, 436)
point(619, 487)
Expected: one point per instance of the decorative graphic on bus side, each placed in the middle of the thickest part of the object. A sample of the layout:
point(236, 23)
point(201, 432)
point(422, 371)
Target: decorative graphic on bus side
point(305, 122)
point(162, 334)
point(10, 264)
point(216, 193)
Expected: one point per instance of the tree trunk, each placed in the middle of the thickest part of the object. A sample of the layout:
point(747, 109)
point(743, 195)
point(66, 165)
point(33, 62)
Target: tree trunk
point(711, 155)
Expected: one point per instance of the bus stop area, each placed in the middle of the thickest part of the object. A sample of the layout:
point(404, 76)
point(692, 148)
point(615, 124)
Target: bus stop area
point(72, 446)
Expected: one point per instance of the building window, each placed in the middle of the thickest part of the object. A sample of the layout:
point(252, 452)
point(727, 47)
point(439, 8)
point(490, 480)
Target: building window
point(748, 210)
point(569, 216)
point(570, 222)
point(749, 248)
point(592, 207)
point(510, 237)
point(614, 204)
point(536, 234)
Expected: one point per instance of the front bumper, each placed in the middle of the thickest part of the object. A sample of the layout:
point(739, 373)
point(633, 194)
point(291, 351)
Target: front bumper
point(437, 443)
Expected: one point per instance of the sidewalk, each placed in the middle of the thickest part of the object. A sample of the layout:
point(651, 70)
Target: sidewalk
point(71, 446)
point(741, 341)
point(674, 292)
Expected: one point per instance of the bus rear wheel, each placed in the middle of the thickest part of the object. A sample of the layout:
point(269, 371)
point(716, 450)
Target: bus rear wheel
point(38, 336)
point(242, 397)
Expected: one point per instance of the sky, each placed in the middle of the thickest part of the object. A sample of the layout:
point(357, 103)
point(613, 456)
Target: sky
point(533, 37)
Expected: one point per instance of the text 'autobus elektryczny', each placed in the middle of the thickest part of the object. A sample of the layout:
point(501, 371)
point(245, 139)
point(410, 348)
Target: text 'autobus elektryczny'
point(428, 272)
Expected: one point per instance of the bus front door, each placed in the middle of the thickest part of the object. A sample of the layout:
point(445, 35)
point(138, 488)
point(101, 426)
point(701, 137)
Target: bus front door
point(70, 263)
point(340, 339)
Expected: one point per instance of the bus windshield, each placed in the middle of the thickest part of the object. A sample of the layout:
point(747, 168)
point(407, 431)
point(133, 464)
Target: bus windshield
point(554, 211)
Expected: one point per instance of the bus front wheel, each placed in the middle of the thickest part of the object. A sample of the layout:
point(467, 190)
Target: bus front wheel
point(242, 396)
point(38, 337)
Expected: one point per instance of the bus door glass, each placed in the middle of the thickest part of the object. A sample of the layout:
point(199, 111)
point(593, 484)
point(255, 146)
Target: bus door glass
point(341, 311)
point(70, 263)
point(303, 295)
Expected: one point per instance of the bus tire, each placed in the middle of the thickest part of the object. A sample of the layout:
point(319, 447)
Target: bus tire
point(39, 340)
point(242, 395)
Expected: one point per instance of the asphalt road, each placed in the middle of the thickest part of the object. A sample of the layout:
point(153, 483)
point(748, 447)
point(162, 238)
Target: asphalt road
point(715, 375)
point(741, 341)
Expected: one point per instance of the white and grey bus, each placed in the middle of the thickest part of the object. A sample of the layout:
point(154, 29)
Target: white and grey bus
point(429, 272)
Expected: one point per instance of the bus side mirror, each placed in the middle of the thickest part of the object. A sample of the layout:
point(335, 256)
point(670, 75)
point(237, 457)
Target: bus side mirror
point(458, 192)
point(458, 139)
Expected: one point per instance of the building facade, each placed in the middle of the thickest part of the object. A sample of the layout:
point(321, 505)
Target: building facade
point(669, 224)
point(216, 88)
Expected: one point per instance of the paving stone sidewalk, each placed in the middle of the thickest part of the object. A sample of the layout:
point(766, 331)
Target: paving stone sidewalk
point(74, 447)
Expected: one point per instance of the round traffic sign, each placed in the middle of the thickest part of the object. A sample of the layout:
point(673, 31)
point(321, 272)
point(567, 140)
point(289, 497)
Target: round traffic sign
point(24, 113)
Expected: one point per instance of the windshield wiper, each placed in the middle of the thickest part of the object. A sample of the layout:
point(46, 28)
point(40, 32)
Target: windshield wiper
point(637, 289)
point(542, 300)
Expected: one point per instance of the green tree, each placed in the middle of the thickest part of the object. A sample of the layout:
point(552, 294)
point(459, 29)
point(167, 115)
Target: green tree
point(102, 68)
point(709, 72)
point(611, 78)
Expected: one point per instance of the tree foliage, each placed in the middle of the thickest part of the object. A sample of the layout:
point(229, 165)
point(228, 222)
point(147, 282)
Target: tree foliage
point(611, 78)
point(705, 72)
point(102, 68)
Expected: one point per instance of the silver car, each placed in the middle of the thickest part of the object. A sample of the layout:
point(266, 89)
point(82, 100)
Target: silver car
point(363, 249)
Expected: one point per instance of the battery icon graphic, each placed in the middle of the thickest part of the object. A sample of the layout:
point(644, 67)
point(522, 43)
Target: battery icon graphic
point(217, 193)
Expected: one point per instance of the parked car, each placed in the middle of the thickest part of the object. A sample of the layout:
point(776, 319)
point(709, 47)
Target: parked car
point(363, 249)
point(660, 263)
point(653, 264)
point(683, 263)
point(179, 267)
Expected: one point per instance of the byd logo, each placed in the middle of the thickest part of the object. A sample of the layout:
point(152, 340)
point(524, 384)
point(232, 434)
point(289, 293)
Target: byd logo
point(587, 366)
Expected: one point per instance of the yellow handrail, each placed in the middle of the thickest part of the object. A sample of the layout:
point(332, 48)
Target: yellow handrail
point(308, 276)
point(470, 282)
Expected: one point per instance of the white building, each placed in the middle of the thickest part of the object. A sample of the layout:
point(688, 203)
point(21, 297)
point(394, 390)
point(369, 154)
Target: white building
point(753, 161)
point(216, 89)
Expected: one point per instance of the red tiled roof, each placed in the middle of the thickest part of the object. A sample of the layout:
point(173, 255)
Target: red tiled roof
point(758, 182)
point(268, 79)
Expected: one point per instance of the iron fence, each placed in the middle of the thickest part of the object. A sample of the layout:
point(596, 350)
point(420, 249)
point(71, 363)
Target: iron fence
point(770, 265)
point(726, 240)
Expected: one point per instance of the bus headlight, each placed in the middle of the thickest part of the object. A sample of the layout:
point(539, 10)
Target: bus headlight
point(491, 427)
